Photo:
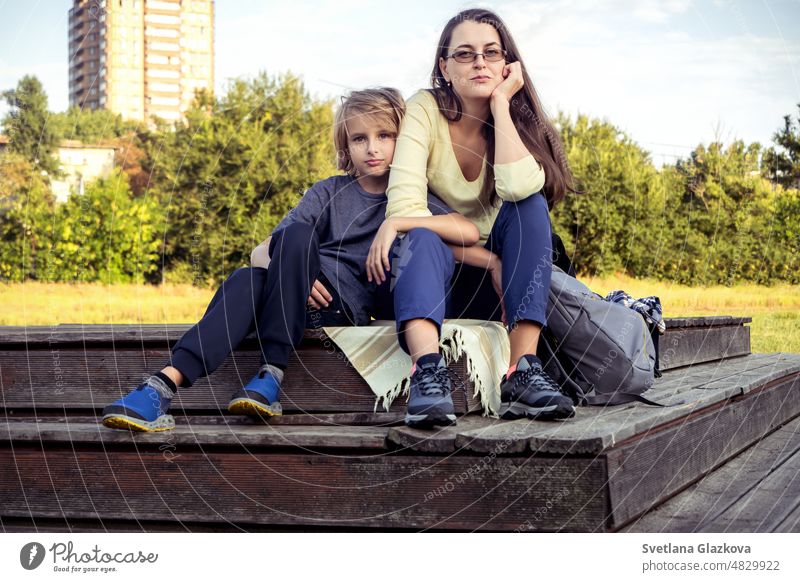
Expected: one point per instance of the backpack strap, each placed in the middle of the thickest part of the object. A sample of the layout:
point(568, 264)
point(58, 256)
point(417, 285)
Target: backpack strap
point(623, 398)
point(560, 256)
point(654, 336)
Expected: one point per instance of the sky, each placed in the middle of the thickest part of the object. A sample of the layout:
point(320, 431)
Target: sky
point(671, 74)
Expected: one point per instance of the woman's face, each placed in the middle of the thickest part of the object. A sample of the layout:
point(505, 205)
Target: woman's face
point(478, 78)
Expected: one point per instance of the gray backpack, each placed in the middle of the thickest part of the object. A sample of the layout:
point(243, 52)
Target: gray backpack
point(600, 353)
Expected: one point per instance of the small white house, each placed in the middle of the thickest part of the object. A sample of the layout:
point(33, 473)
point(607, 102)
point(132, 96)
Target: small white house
point(81, 164)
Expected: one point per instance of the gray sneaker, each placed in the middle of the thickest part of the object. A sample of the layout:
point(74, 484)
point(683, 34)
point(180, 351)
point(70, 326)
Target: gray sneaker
point(530, 392)
point(430, 402)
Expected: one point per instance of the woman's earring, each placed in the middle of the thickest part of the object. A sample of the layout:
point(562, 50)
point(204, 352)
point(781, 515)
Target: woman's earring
point(449, 84)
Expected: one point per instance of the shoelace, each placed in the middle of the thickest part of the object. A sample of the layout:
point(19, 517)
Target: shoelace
point(432, 380)
point(525, 378)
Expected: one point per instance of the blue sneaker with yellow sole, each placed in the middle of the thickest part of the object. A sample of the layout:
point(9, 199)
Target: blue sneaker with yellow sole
point(260, 397)
point(143, 410)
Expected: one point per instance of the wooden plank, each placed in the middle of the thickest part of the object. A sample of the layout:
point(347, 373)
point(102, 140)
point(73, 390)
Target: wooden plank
point(440, 440)
point(651, 468)
point(691, 345)
point(313, 437)
point(766, 507)
point(88, 379)
point(791, 523)
point(595, 429)
point(226, 418)
point(171, 332)
point(706, 321)
point(377, 491)
point(696, 508)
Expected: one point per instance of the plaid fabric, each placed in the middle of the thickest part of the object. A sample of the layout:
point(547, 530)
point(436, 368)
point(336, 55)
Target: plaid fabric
point(648, 307)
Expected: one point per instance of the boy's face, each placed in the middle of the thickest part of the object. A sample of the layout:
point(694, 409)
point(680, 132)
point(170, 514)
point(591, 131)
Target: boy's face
point(370, 143)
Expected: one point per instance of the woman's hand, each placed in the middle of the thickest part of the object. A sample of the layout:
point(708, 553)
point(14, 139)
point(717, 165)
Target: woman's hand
point(378, 258)
point(319, 297)
point(495, 269)
point(513, 82)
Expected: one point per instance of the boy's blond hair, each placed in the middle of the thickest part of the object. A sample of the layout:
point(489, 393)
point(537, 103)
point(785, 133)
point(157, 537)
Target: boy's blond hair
point(381, 104)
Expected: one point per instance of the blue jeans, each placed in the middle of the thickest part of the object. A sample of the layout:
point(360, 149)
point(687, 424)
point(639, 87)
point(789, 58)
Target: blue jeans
point(426, 283)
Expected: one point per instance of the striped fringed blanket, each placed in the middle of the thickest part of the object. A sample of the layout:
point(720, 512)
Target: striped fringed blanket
point(375, 354)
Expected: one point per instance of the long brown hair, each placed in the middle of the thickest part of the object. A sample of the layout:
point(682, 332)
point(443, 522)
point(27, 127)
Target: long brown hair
point(533, 126)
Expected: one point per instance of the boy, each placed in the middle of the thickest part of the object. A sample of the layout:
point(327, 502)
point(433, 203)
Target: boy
point(314, 257)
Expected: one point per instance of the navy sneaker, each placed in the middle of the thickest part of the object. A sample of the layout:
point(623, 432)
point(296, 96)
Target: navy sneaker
point(260, 397)
point(430, 402)
point(143, 409)
point(530, 392)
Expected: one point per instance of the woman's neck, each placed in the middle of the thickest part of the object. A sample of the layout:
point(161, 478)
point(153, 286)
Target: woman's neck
point(475, 113)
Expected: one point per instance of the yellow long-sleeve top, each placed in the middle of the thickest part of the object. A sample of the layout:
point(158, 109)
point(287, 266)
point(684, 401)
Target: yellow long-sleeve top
point(424, 159)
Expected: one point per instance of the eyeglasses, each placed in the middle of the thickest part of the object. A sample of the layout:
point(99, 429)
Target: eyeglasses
point(491, 55)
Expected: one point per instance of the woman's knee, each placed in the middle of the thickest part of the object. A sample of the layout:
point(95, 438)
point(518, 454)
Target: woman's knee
point(531, 209)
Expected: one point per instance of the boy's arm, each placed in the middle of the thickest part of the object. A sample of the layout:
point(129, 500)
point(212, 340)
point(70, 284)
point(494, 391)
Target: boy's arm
point(260, 255)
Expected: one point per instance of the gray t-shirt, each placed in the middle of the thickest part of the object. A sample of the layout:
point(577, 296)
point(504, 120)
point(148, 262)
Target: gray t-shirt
point(346, 218)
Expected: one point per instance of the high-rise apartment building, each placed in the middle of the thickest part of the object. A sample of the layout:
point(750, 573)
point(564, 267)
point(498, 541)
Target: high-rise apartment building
point(140, 58)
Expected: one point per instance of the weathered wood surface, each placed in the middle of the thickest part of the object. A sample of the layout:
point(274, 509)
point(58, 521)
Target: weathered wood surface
point(87, 377)
point(93, 433)
point(693, 344)
point(757, 491)
point(304, 490)
point(656, 465)
point(340, 465)
point(84, 367)
point(596, 429)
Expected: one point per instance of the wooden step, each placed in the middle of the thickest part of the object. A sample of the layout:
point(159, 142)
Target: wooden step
point(82, 368)
point(597, 472)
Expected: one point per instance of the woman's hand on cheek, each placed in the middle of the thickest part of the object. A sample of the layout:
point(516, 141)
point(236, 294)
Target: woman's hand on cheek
point(513, 82)
point(378, 257)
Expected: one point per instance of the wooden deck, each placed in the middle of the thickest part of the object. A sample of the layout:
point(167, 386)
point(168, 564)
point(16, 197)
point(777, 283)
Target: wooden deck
point(333, 463)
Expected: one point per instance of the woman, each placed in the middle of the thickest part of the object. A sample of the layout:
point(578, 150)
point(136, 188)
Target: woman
point(481, 142)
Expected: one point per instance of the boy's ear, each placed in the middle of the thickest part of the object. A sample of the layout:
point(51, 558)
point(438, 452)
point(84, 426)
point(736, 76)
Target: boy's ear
point(443, 69)
point(343, 159)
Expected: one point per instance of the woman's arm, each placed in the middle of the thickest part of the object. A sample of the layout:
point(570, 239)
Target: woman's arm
point(517, 173)
point(452, 228)
point(408, 179)
point(479, 256)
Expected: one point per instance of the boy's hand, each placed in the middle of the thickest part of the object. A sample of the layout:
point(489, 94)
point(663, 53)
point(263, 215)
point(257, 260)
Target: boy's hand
point(378, 258)
point(319, 297)
point(496, 271)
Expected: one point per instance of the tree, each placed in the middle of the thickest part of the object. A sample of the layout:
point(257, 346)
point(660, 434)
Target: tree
point(226, 175)
point(91, 126)
point(26, 218)
point(610, 224)
point(105, 235)
point(782, 165)
point(27, 124)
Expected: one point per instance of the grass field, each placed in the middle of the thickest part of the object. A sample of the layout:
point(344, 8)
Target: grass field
point(775, 310)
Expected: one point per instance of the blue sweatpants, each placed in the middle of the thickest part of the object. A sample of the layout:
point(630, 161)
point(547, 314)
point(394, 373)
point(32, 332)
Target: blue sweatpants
point(426, 283)
point(271, 302)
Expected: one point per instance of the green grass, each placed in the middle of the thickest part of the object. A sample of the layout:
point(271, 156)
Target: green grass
point(775, 310)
